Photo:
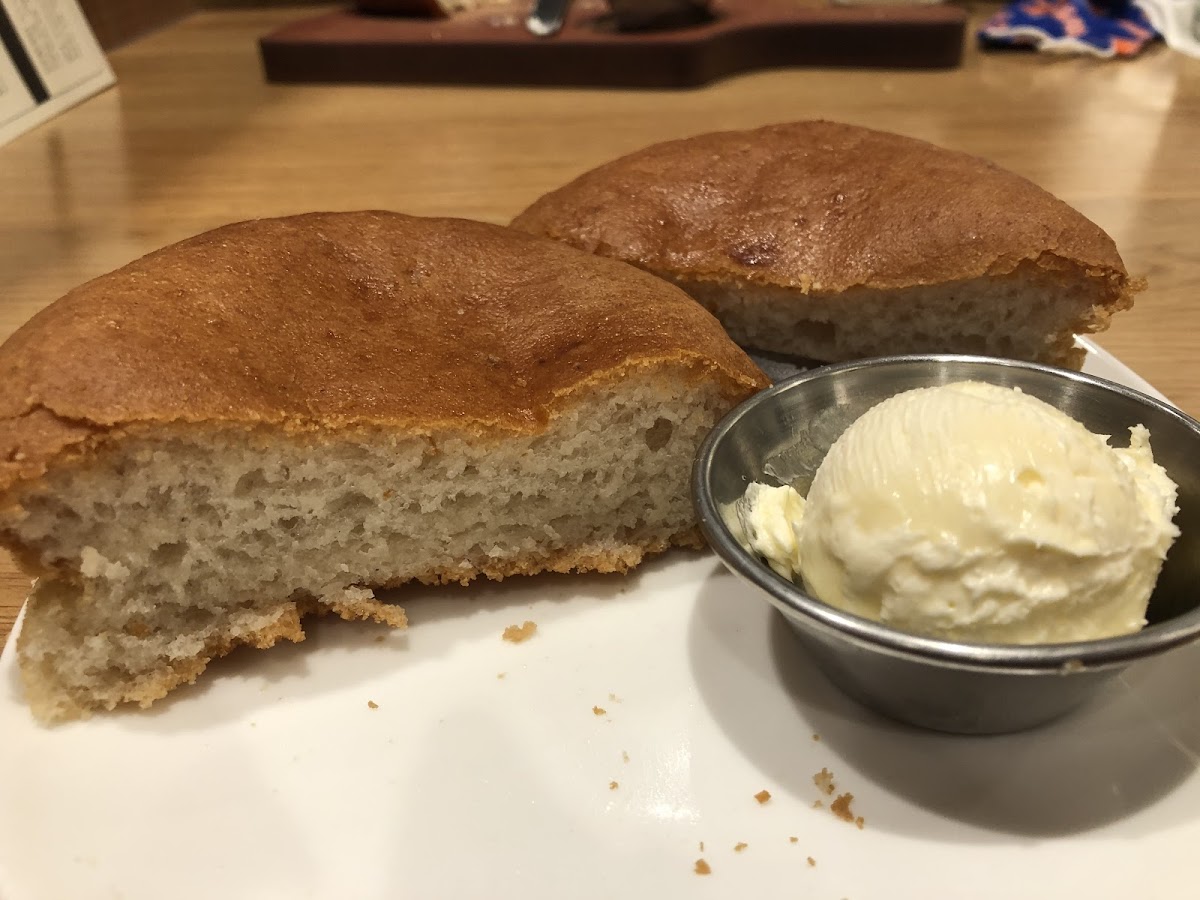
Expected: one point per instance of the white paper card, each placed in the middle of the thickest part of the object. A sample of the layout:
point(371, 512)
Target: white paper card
point(49, 61)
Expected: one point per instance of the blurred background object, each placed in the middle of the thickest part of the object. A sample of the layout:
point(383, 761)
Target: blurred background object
point(635, 15)
point(1104, 28)
point(1178, 21)
point(609, 43)
point(49, 61)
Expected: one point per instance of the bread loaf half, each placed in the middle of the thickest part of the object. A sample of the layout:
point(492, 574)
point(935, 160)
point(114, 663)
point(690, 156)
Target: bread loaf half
point(276, 417)
point(832, 242)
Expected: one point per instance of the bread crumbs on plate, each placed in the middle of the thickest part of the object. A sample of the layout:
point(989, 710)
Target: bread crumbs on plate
point(740, 846)
point(702, 868)
point(517, 633)
point(811, 861)
point(793, 839)
point(624, 756)
point(371, 704)
point(762, 796)
point(841, 808)
point(612, 785)
point(824, 782)
point(599, 711)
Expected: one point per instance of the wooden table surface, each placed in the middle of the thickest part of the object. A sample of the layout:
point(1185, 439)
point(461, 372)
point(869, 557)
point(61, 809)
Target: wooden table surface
point(192, 138)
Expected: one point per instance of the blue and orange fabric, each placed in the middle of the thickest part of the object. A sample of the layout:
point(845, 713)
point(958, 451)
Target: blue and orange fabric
point(1107, 28)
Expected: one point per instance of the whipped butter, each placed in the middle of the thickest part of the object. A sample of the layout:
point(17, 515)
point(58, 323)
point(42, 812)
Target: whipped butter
point(974, 512)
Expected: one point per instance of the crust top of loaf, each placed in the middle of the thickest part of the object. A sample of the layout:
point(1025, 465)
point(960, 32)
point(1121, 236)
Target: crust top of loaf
point(330, 320)
point(819, 207)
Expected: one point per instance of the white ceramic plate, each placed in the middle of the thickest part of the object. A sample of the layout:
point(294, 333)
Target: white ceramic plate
point(273, 777)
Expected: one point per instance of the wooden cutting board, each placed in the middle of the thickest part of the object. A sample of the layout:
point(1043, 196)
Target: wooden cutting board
point(492, 47)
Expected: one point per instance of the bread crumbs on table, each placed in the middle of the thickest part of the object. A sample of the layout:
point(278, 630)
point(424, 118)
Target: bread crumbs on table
point(612, 785)
point(371, 704)
point(740, 846)
point(517, 633)
point(599, 711)
point(811, 861)
point(702, 868)
point(824, 782)
point(762, 796)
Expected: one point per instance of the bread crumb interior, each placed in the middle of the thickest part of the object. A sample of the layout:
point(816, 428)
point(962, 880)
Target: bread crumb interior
point(167, 549)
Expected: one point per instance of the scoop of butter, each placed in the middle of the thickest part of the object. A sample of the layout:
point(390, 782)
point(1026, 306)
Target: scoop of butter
point(974, 512)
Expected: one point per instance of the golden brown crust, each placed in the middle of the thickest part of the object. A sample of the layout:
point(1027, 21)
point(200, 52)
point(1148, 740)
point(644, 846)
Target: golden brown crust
point(821, 207)
point(332, 319)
